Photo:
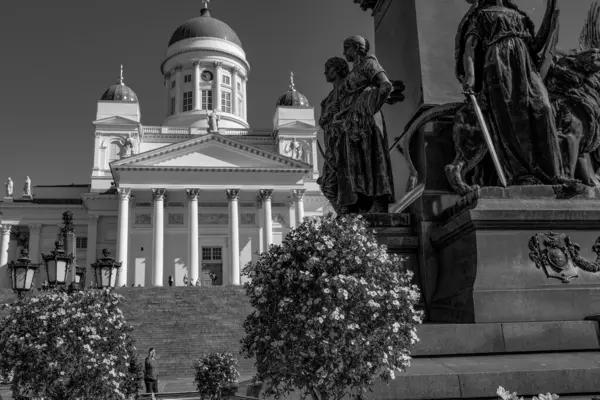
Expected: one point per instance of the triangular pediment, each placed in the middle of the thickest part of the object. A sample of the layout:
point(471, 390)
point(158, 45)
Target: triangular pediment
point(211, 151)
point(115, 120)
point(298, 126)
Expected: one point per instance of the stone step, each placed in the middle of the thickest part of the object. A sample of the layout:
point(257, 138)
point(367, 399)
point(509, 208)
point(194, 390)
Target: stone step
point(514, 337)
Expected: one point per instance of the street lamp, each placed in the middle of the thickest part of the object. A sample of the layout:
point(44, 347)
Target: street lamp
point(22, 272)
point(58, 263)
point(105, 270)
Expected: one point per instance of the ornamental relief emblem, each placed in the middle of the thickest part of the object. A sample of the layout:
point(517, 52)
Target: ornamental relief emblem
point(143, 219)
point(558, 256)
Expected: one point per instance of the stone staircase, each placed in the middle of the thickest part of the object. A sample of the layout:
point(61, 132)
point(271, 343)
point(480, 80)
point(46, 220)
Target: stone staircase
point(182, 323)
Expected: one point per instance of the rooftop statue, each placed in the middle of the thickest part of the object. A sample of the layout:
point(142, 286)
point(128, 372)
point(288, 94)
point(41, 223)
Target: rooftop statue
point(528, 98)
point(27, 187)
point(359, 175)
point(9, 187)
point(213, 122)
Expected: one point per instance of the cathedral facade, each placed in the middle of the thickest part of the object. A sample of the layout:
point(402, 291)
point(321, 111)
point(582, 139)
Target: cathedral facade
point(192, 200)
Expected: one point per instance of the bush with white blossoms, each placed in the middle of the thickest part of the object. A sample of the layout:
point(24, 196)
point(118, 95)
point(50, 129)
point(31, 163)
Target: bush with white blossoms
point(61, 346)
point(214, 372)
point(504, 394)
point(334, 311)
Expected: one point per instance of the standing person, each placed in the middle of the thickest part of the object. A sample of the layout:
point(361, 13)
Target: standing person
point(151, 373)
point(494, 59)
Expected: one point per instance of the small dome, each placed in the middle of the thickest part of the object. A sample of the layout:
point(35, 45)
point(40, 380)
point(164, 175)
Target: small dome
point(293, 98)
point(120, 92)
point(205, 26)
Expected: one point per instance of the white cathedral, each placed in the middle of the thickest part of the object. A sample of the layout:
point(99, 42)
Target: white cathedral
point(200, 195)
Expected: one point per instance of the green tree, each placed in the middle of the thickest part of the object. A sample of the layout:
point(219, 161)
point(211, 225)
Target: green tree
point(60, 346)
point(334, 311)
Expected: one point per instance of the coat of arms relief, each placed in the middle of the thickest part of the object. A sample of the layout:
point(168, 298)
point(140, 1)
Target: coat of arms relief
point(558, 256)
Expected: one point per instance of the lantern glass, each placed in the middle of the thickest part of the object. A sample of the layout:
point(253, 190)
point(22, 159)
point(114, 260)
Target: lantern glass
point(30, 274)
point(61, 271)
point(19, 277)
point(51, 269)
point(106, 276)
point(77, 278)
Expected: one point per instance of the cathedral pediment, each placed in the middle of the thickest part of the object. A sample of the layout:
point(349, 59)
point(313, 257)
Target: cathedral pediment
point(211, 152)
point(116, 120)
point(298, 126)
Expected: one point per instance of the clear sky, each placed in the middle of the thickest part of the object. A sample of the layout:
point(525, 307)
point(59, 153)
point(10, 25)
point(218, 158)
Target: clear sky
point(59, 57)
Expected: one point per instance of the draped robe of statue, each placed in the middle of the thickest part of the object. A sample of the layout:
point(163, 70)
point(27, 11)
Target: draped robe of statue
point(359, 140)
point(518, 107)
point(328, 177)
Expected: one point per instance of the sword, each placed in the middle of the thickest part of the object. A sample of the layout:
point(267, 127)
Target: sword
point(488, 139)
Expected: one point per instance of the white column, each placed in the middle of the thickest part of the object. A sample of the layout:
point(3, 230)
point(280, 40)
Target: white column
point(90, 255)
point(34, 242)
point(234, 82)
point(178, 89)
point(196, 80)
point(4, 278)
point(34, 250)
point(217, 86)
point(265, 196)
point(158, 236)
point(314, 157)
point(123, 234)
point(234, 236)
point(194, 272)
point(244, 98)
point(292, 214)
point(261, 224)
point(298, 196)
point(168, 87)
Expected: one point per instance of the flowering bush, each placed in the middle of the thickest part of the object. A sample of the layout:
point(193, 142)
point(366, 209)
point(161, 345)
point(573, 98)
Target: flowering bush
point(60, 346)
point(214, 372)
point(506, 395)
point(334, 311)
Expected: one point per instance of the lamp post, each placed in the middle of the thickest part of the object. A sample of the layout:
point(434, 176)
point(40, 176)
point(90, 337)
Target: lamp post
point(58, 263)
point(22, 272)
point(105, 270)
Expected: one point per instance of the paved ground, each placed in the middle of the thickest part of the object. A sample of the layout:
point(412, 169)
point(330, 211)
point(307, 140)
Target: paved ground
point(165, 385)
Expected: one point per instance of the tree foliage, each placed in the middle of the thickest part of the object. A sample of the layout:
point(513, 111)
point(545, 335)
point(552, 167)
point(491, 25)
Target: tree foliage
point(333, 311)
point(61, 346)
point(214, 372)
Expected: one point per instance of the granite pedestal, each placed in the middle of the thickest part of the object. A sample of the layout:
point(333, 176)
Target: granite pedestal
point(485, 272)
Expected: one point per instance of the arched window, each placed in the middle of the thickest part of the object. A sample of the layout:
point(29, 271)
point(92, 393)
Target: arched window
point(114, 152)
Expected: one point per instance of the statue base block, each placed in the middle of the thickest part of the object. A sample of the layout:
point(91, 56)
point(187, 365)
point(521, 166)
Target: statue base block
point(8, 199)
point(27, 197)
point(486, 274)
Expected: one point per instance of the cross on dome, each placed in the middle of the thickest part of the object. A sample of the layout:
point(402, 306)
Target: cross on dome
point(292, 86)
point(205, 2)
point(121, 76)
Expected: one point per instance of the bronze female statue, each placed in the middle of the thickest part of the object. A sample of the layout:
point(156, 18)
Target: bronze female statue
point(336, 70)
point(495, 59)
point(358, 136)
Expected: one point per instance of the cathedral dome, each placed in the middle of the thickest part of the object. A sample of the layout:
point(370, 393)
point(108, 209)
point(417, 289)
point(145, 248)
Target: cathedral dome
point(119, 92)
point(293, 98)
point(205, 26)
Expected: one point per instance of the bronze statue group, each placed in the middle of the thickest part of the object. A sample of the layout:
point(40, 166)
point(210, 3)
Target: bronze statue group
point(531, 117)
